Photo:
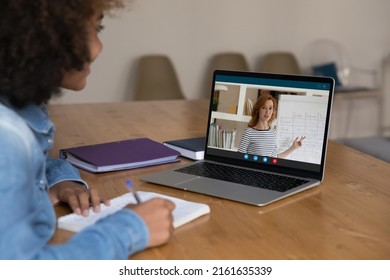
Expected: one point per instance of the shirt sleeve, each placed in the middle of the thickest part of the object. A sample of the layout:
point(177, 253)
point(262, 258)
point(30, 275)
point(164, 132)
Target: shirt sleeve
point(23, 224)
point(115, 237)
point(59, 170)
point(244, 142)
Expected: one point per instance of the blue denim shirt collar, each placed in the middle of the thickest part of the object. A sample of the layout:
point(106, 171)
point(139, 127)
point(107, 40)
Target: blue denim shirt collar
point(36, 116)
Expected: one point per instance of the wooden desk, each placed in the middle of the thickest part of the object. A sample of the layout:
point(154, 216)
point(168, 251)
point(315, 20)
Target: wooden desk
point(347, 217)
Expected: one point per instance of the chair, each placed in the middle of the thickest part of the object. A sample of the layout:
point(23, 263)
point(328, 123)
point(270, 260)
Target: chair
point(156, 79)
point(329, 58)
point(224, 61)
point(280, 62)
point(229, 61)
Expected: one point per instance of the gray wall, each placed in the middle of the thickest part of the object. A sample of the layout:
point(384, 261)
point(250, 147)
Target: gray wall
point(191, 31)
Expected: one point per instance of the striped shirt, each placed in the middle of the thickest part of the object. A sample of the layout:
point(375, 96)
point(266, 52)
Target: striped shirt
point(258, 142)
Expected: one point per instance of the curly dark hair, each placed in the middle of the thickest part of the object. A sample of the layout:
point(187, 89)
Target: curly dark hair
point(40, 40)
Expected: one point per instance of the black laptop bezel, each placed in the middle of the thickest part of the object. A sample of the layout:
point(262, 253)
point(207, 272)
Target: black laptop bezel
point(293, 171)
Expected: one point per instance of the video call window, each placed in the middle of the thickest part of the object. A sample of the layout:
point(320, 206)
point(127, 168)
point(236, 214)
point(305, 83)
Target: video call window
point(297, 114)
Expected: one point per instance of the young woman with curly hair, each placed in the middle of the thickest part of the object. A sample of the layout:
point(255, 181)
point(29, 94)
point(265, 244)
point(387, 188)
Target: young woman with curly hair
point(46, 45)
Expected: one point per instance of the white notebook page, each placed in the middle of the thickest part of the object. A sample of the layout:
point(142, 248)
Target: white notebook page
point(184, 212)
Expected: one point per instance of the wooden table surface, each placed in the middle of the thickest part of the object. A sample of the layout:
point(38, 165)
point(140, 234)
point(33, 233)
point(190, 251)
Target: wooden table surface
point(346, 217)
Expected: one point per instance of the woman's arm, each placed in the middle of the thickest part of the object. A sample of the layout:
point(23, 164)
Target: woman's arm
point(66, 185)
point(295, 145)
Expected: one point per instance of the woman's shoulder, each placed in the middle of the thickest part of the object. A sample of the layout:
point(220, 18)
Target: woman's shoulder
point(9, 115)
point(250, 130)
point(11, 124)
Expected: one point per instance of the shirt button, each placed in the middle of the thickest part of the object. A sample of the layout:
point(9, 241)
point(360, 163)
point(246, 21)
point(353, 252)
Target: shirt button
point(50, 141)
point(42, 182)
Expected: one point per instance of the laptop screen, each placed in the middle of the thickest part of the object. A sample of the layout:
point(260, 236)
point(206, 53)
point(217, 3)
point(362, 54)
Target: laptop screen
point(269, 121)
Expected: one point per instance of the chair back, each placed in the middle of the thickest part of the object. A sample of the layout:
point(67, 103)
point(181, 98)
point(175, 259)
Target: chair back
point(280, 62)
point(224, 61)
point(157, 79)
point(229, 61)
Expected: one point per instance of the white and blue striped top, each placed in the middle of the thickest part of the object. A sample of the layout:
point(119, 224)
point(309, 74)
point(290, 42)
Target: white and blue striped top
point(258, 142)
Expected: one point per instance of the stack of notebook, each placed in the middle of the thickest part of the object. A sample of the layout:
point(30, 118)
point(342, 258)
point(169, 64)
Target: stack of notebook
point(119, 155)
point(192, 148)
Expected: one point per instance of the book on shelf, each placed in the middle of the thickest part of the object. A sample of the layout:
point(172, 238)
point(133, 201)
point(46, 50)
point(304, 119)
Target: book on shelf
point(222, 138)
point(184, 212)
point(119, 155)
point(248, 107)
point(192, 148)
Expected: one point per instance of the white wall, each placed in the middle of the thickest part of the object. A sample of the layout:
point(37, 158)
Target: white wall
point(191, 31)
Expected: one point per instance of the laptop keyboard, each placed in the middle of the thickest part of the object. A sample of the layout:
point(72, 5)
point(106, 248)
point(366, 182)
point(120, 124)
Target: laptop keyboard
point(243, 176)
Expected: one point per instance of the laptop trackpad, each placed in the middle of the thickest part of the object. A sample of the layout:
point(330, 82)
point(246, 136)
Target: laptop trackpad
point(226, 190)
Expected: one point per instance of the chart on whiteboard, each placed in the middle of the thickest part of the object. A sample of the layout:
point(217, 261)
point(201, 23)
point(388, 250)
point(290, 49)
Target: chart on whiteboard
point(302, 116)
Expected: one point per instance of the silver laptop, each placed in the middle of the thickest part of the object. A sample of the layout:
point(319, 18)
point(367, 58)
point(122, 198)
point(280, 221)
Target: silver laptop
point(266, 137)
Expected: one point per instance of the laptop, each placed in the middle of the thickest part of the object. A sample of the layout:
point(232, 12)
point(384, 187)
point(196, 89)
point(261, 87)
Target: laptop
point(267, 138)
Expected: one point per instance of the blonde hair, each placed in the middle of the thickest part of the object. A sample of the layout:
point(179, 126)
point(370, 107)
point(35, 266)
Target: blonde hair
point(264, 97)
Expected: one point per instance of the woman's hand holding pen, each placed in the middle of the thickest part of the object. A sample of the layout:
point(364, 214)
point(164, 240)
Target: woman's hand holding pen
point(157, 215)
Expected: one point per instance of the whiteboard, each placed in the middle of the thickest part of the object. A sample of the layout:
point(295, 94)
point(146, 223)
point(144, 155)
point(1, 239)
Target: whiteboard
point(297, 116)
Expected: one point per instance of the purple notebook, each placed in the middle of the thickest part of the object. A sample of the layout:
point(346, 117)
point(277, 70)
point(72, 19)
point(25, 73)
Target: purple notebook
point(119, 155)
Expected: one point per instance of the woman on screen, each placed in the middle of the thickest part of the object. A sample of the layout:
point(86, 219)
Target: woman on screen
point(46, 45)
point(259, 138)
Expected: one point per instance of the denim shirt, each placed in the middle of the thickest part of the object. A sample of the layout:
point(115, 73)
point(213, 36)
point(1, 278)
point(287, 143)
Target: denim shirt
point(27, 217)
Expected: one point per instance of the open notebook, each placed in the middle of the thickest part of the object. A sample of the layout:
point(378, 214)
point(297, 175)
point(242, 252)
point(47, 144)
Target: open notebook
point(184, 212)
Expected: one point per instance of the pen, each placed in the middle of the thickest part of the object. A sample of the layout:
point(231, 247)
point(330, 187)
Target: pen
point(130, 187)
